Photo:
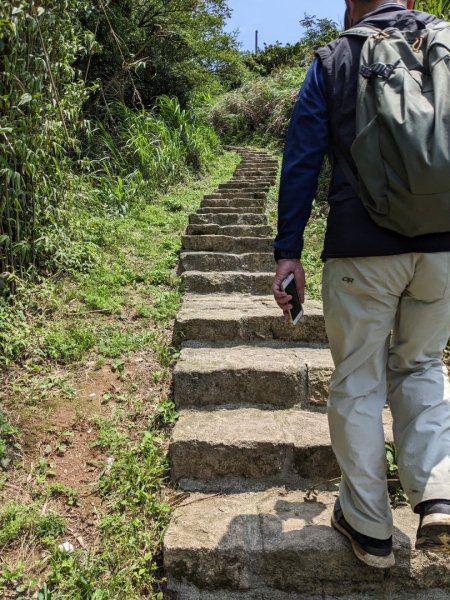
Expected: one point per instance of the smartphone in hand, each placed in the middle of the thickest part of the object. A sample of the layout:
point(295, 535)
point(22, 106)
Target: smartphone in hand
point(290, 288)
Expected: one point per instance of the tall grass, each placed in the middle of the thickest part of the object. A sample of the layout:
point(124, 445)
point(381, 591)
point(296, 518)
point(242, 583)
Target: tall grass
point(141, 151)
point(440, 8)
point(259, 111)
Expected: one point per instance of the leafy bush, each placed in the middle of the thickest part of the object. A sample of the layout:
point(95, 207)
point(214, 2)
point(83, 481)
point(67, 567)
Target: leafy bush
point(68, 345)
point(259, 111)
point(40, 121)
point(153, 149)
point(151, 48)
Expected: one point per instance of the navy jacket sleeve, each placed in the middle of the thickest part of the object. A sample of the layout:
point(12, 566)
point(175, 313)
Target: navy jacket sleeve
point(306, 144)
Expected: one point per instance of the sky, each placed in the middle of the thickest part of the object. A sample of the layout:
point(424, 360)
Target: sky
point(277, 19)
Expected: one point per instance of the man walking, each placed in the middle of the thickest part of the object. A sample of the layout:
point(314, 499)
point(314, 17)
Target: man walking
point(376, 281)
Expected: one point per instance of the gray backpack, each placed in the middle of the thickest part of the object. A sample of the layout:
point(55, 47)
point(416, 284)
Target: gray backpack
point(402, 146)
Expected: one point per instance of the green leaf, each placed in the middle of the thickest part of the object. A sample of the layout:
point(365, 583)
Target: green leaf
point(25, 98)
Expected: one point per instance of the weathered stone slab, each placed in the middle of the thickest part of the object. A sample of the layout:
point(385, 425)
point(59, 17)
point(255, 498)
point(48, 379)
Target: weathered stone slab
point(224, 243)
point(273, 374)
point(232, 209)
point(228, 218)
point(217, 261)
point(213, 282)
point(245, 317)
point(251, 177)
point(236, 202)
point(193, 552)
point(320, 367)
point(276, 545)
point(184, 591)
point(250, 444)
point(259, 163)
point(234, 195)
point(239, 375)
point(230, 230)
point(244, 185)
point(267, 172)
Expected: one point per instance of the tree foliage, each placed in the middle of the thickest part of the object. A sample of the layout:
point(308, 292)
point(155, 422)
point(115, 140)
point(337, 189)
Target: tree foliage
point(147, 48)
point(40, 119)
point(65, 66)
point(316, 32)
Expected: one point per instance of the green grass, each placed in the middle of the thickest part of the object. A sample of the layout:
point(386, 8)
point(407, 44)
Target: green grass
point(18, 520)
point(8, 441)
point(106, 318)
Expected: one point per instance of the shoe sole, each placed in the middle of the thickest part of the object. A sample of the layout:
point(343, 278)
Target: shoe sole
point(434, 534)
point(377, 562)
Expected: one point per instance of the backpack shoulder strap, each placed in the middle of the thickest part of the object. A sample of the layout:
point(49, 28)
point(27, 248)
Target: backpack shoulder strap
point(438, 26)
point(364, 31)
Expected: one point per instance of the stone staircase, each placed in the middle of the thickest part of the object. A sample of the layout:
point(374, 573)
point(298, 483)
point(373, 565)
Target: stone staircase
point(251, 447)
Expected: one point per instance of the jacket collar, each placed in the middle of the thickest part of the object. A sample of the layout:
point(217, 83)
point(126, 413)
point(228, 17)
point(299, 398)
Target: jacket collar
point(384, 8)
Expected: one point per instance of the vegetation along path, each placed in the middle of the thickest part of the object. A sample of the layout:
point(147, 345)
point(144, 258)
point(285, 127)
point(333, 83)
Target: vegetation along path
point(251, 447)
point(85, 415)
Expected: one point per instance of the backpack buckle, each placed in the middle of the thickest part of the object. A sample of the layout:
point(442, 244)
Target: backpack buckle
point(377, 70)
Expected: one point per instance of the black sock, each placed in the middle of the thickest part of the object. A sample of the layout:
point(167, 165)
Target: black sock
point(440, 505)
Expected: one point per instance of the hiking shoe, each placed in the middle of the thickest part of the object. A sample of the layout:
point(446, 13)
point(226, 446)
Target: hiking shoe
point(434, 528)
point(371, 551)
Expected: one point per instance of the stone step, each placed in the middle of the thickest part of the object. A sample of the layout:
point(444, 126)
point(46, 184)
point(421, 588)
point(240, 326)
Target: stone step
point(233, 202)
point(243, 448)
point(219, 317)
point(252, 180)
point(265, 374)
point(278, 545)
point(245, 185)
point(232, 209)
point(255, 174)
point(237, 188)
point(261, 168)
point(224, 243)
point(228, 219)
point(218, 282)
point(218, 261)
point(259, 162)
point(256, 168)
point(234, 194)
point(230, 230)
point(220, 449)
point(239, 191)
point(258, 165)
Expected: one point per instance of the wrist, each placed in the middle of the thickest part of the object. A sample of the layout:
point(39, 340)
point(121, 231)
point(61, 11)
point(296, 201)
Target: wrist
point(285, 255)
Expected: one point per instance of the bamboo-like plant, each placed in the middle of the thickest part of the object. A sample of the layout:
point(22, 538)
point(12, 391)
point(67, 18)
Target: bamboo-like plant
point(40, 114)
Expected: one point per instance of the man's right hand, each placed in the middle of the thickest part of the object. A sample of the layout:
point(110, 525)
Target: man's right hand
point(286, 266)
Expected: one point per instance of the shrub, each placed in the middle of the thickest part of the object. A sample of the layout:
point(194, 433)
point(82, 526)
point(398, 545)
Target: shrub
point(259, 111)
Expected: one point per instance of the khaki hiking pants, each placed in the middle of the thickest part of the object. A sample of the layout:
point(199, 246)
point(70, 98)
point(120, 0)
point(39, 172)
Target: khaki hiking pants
point(365, 299)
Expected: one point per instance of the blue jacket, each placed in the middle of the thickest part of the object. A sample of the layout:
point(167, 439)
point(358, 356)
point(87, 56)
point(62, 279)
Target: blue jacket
point(324, 121)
